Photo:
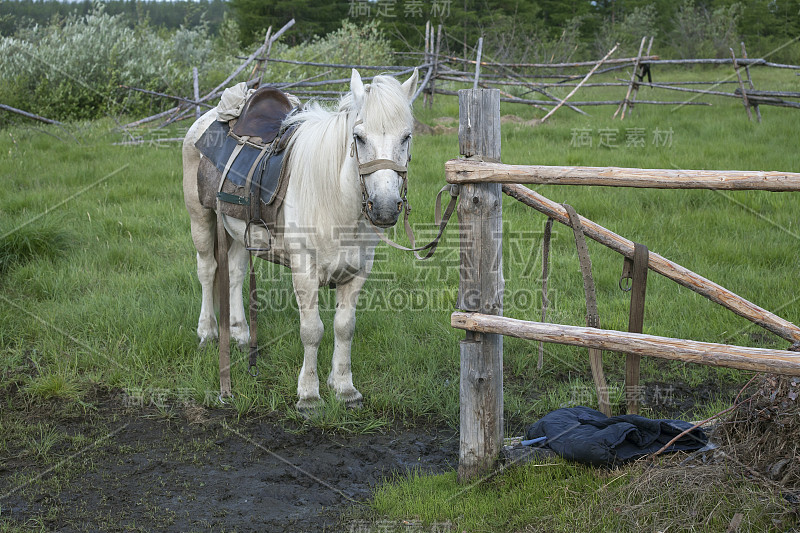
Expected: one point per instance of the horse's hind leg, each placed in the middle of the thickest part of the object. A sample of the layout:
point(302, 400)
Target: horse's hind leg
point(344, 323)
point(237, 266)
point(204, 237)
point(203, 224)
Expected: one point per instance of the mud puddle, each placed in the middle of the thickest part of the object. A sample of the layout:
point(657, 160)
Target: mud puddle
point(109, 469)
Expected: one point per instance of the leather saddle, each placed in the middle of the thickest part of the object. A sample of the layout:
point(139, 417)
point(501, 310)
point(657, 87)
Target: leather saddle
point(262, 115)
point(244, 160)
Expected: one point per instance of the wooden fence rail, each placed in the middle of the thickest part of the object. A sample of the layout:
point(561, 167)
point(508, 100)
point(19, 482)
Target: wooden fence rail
point(462, 171)
point(706, 353)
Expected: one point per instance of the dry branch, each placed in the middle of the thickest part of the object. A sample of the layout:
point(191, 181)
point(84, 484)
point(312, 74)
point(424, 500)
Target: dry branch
point(624, 103)
point(581, 83)
point(329, 65)
point(249, 60)
point(28, 115)
point(196, 102)
point(579, 103)
point(624, 60)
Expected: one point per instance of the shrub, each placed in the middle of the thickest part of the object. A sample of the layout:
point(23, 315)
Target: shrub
point(73, 70)
point(703, 32)
point(628, 32)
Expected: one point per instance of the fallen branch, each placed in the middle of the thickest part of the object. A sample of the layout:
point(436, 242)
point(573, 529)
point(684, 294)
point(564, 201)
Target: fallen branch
point(624, 60)
point(327, 65)
point(147, 141)
point(581, 83)
point(164, 95)
point(29, 115)
point(249, 60)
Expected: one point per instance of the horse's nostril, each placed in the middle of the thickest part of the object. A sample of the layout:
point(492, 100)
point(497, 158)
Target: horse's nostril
point(369, 206)
point(399, 206)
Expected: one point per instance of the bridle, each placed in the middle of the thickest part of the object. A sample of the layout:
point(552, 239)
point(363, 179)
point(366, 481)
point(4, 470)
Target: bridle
point(365, 169)
point(441, 219)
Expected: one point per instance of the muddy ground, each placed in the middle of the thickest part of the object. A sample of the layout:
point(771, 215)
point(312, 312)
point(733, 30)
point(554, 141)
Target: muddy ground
point(109, 468)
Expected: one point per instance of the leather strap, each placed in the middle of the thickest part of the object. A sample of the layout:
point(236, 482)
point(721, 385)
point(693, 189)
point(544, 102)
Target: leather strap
point(548, 231)
point(252, 369)
point(637, 270)
point(592, 316)
point(255, 198)
point(440, 220)
point(224, 308)
point(231, 159)
point(379, 164)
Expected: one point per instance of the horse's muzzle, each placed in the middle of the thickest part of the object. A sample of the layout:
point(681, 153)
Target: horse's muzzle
point(384, 212)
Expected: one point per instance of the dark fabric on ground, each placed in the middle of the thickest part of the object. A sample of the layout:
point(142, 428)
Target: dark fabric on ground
point(588, 436)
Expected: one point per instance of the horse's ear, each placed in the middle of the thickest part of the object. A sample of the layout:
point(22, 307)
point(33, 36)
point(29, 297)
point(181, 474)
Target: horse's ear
point(357, 88)
point(410, 85)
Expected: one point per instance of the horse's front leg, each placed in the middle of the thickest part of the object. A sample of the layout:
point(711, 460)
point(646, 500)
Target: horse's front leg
point(344, 323)
point(306, 291)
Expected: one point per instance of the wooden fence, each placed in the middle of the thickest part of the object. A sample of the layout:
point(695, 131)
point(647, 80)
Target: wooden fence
point(482, 180)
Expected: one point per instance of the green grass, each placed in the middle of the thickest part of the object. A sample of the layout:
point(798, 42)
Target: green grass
point(558, 496)
point(102, 290)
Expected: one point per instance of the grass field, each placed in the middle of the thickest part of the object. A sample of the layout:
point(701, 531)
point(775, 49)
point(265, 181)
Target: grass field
point(98, 289)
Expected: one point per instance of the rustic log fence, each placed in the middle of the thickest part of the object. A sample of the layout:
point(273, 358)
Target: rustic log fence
point(481, 179)
point(444, 72)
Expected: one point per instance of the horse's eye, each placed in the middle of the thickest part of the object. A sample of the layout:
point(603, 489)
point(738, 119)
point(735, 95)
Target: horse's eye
point(359, 138)
point(407, 139)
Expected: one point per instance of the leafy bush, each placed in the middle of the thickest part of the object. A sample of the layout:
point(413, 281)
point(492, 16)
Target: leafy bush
point(703, 32)
point(350, 44)
point(73, 70)
point(628, 32)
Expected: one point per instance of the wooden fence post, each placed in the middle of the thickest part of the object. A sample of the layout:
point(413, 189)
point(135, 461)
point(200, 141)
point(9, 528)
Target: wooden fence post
point(750, 80)
point(741, 85)
point(196, 88)
point(481, 287)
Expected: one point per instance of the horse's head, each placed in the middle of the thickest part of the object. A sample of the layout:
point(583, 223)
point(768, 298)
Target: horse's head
point(382, 144)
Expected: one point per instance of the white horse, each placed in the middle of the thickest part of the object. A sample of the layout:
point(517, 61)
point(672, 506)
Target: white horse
point(336, 192)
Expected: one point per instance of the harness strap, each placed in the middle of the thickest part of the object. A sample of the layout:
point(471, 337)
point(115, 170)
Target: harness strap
point(637, 269)
point(592, 316)
point(380, 164)
point(231, 159)
point(223, 285)
point(255, 198)
point(548, 231)
point(253, 309)
point(440, 220)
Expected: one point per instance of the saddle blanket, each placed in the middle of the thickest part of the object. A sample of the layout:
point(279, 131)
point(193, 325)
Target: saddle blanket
point(217, 145)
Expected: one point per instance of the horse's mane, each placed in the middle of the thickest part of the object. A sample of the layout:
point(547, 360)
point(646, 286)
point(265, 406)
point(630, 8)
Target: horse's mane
point(327, 198)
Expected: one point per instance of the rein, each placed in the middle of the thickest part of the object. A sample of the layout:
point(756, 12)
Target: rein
point(441, 220)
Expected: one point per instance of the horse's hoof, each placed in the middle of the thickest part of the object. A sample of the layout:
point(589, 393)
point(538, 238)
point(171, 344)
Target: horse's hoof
point(354, 404)
point(207, 340)
point(352, 399)
point(308, 408)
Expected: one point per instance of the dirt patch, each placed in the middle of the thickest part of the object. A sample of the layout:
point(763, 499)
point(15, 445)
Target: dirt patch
point(114, 469)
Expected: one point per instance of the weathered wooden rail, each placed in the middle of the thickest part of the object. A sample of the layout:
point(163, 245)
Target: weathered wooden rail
point(482, 180)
